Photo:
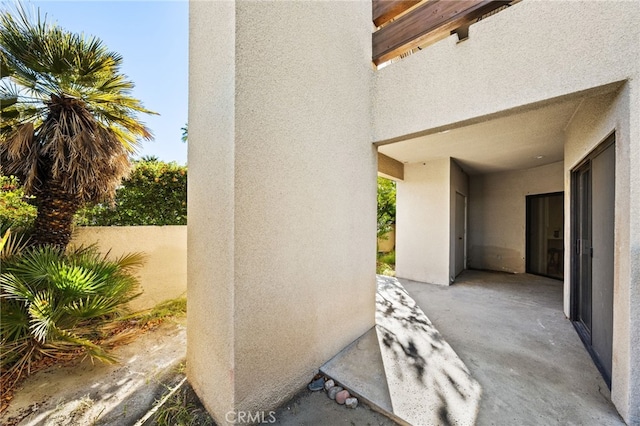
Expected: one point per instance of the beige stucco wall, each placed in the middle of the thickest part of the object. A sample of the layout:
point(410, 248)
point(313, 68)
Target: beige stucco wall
point(530, 53)
point(422, 222)
point(597, 118)
point(459, 183)
point(387, 242)
point(497, 215)
point(164, 274)
point(282, 194)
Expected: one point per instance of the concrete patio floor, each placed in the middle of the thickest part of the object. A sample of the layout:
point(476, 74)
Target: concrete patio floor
point(511, 332)
point(525, 363)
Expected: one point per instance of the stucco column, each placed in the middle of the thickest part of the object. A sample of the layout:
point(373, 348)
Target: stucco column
point(422, 218)
point(282, 190)
point(633, 415)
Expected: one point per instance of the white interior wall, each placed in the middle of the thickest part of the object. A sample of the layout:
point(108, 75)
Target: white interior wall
point(422, 222)
point(497, 215)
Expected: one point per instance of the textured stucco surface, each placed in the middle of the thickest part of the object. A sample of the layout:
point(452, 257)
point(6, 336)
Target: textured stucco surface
point(422, 222)
point(497, 216)
point(597, 118)
point(507, 62)
point(164, 273)
point(282, 196)
point(210, 265)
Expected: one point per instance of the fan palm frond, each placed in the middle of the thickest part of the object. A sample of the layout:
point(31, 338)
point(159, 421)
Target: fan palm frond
point(69, 121)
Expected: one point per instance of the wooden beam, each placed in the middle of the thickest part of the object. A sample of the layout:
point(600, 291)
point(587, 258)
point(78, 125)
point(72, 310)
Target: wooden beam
point(390, 167)
point(385, 10)
point(428, 23)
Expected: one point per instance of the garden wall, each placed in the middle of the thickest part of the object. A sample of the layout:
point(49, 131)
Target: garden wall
point(164, 275)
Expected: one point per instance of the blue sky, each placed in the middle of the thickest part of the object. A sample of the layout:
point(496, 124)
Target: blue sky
point(152, 37)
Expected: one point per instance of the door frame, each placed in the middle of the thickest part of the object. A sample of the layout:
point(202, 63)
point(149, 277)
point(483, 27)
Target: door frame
point(585, 336)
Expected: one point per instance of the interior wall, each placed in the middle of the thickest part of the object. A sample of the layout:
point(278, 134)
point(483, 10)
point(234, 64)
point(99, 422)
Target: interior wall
point(596, 119)
point(422, 222)
point(459, 183)
point(282, 194)
point(497, 215)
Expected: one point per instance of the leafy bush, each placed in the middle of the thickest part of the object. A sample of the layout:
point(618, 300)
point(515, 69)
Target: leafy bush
point(54, 305)
point(386, 205)
point(154, 194)
point(15, 210)
point(386, 264)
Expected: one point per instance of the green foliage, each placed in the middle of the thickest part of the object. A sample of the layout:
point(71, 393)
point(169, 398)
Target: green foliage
point(54, 304)
point(389, 258)
point(185, 133)
point(154, 194)
point(386, 205)
point(386, 264)
point(69, 123)
point(15, 210)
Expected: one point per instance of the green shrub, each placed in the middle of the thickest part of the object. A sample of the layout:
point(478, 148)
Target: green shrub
point(389, 258)
point(386, 264)
point(154, 194)
point(54, 304)
point(15, 210)
point(386, 205)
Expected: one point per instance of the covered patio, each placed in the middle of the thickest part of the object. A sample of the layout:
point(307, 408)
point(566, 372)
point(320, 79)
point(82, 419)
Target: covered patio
point(525, 362)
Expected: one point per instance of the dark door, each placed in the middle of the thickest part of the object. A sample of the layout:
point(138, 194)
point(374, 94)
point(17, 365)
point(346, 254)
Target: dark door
point(593, 204)
point(545, 235)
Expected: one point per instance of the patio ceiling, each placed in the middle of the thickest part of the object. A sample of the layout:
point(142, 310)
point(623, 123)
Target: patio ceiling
point(518, 141)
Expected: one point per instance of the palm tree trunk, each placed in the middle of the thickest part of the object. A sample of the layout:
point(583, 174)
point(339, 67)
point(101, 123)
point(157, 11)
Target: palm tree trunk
point(56, 208)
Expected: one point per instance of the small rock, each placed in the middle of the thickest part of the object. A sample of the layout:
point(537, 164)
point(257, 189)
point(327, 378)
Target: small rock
point(316, 385)
point(329, 384)
point(334, 391)
point(342, 396)
point(351, 402)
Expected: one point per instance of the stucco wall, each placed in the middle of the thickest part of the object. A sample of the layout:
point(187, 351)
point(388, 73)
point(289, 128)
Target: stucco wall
point(595, 119)
point(459, 183)
point(507, 62)
point(164, 274)
point(282, 190)
point(497, 215)
point(422, 222)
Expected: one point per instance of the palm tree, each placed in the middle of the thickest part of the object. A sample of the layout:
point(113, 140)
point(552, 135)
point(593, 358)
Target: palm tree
point(69, 124)
point(185, 133)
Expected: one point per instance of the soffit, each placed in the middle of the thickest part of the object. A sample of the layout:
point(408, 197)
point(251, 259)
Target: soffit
point(518, 141)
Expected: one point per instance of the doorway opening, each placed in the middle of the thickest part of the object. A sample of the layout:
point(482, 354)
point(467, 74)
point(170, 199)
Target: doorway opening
point(545, 235)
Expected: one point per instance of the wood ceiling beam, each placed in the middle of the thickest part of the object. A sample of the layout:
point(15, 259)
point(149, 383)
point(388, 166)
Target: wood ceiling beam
point(430, 22)
point(385, 10)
